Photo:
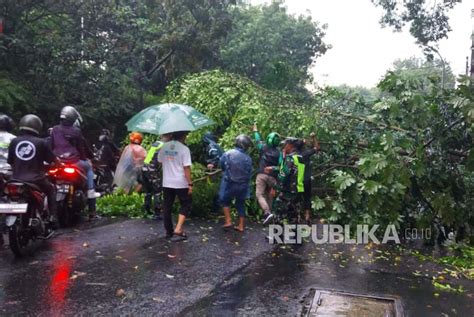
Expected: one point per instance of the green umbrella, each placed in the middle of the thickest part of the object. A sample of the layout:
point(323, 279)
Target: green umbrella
point(167, 118)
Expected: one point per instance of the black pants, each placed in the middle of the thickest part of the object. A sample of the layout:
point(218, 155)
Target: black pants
point(50, 191)
point(152, 187)
point(169, 196)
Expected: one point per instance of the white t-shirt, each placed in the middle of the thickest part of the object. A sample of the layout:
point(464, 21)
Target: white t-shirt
point(174, 156)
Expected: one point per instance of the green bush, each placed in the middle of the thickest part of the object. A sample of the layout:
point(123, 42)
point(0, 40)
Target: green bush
point(120, 204)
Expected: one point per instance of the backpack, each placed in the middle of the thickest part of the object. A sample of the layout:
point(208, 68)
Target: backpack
point(238, 167)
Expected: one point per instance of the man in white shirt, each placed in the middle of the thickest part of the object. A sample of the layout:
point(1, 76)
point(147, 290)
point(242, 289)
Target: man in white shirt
point(176, 160)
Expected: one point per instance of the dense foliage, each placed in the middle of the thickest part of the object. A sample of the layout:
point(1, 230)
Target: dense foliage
point(111, 58)
point(403, 158)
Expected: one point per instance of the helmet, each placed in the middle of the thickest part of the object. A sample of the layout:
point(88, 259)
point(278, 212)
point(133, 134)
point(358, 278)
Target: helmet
point(243, 141)
point(31, 123)
point(136, 138)
point(209, 136)
point(273, 139)
point(291, 140)
point(71, 116)
point(6, 123)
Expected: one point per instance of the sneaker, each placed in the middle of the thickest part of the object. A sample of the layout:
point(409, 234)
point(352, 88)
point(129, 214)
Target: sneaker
point(267, 217)
point(91, 194)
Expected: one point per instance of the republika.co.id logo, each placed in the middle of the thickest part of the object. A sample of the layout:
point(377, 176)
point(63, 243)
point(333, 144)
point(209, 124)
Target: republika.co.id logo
point(25, 150)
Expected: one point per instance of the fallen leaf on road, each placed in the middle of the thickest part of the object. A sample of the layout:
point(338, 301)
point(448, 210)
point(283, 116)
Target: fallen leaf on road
point(96, 284)
point(159, 300)
point(169, 276)
point(120, 292)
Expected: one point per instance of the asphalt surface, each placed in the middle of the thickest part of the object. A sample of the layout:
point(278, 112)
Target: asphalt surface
point(126, 267)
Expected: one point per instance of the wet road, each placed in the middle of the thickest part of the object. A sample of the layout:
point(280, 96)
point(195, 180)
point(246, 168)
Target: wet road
point(123, 268)
point(284, 281)
point(126, 268)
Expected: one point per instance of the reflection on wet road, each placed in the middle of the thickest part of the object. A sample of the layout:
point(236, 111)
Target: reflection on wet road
point(128, 268)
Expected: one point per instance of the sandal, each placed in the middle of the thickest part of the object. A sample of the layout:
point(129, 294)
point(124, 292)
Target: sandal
point(179, 236)
point(238, 229)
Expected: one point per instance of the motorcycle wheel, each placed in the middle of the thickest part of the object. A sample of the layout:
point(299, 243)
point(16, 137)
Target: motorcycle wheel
point(19, 239)
point(65, 215)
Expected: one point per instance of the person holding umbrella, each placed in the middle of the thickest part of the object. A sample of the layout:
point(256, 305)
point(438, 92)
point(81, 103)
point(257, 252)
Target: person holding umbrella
point(177, 120)
point(175, 158)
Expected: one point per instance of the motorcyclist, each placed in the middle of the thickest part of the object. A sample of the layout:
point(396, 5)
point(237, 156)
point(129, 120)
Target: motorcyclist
point(6, 126)
point(27, 154)
point(270, 155)
point(151, 178)
point(68, 144)
point(106, 155)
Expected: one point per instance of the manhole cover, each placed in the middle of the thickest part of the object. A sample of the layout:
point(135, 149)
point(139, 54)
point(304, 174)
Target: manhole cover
point(341, 304)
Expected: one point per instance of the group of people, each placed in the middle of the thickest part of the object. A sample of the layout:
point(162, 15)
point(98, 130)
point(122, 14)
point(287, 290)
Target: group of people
point(283, 168)
point(24, 156)
point(163, 171)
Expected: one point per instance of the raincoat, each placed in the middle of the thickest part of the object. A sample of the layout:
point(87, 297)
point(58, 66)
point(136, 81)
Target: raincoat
point(129, 167)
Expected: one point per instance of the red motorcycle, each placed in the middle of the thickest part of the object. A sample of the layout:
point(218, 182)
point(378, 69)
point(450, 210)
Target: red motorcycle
point(71, 192)
point(27, 215)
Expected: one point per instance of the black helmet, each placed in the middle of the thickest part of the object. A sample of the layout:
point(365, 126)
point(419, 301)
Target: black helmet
point(291, 140)
point(31, 123)
point(6, 123)
point(243, 141)
point(209, 136)
point(70, 115)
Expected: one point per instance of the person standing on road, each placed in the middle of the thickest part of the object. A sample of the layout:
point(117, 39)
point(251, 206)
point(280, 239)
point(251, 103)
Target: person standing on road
point(129, 167)
point(235, 184)
point(270, 156)
point(306, 154)
point(213, 150)
point(175, 158)
point(152, 179)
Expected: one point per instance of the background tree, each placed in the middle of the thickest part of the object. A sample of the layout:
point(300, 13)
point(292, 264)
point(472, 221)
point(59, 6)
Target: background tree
point(271, 47)
point(428, 20)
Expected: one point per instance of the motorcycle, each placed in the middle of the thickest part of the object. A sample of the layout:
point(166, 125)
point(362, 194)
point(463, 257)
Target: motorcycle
point(5, 175)
point(71, 192)
point(27, 215)
point(103, 174)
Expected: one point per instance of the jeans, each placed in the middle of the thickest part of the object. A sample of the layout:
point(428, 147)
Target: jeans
point(230, 191)
point(87, 167)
